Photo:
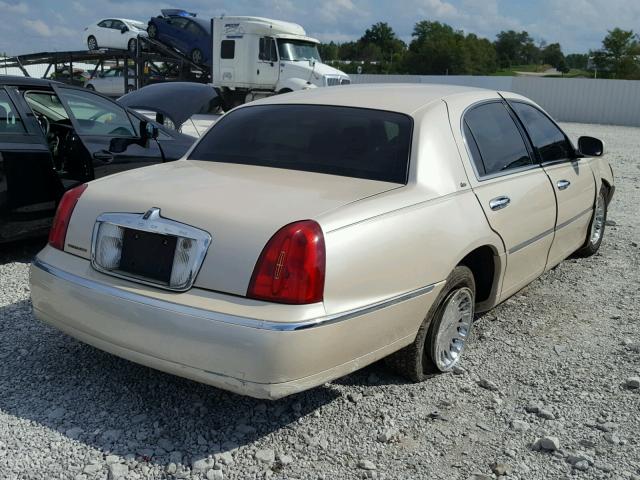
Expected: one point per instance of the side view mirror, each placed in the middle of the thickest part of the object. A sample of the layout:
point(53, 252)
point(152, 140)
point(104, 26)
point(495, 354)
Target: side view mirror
point(124, 29)
point(590, 146)
point(148, 131)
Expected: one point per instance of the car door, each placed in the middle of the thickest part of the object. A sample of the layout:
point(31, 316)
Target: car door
point(99, 122)
point(106, 82)
point(103, 33)
point(513, 190)
point(29, 187)
point(268, 67)
point(570, 176)
point(179, 36)
point(118, 39)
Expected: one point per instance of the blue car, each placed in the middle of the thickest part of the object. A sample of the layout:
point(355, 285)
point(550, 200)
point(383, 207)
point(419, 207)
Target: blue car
point(181, 30)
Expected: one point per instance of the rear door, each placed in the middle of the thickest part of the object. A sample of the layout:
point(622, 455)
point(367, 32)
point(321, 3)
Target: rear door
point(513, 190)
point(571, 178)
point(99, 122)
point(29, 186)
point(178, 33)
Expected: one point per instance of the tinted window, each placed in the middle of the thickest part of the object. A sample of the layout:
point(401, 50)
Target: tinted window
point(96, 115)
point(117, 24)
point(10, 121)
point(228, 49)
point(352, 142)
point(546, 137)
point(105, 24)
point(178, 22)
point(194, 29)
point(496, 143)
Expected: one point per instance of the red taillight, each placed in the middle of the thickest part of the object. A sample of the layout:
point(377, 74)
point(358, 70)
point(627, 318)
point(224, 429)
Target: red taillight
point(291, 266)
point(68, 202)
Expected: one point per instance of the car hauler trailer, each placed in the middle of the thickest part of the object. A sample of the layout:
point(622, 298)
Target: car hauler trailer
point(255, 57)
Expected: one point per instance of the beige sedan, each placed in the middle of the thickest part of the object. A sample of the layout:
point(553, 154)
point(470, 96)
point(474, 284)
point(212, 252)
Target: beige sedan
point(307, 235)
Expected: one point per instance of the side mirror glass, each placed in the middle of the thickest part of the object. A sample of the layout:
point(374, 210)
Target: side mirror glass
point(124, 29)
point(590, 146)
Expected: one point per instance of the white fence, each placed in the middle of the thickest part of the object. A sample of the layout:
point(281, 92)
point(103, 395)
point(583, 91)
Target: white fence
point(613, 102)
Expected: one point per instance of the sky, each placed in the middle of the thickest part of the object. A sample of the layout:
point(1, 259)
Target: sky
point(30, 26)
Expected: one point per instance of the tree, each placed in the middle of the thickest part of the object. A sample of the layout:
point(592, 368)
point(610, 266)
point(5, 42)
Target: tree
point(620, 54)
point(436, 49)
point(552, 55)
point(382, 36)
point(515, 48)
point(579, 61)
point(481, 56)
point(328, 51)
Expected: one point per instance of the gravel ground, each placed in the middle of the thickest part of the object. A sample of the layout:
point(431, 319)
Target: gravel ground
point(543, 391)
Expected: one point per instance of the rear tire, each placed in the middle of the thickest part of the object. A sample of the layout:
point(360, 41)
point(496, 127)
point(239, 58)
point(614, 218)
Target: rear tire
point(424, 357)
point(152, 30)
point(196, 56)
point(92, 43)
point(596, 227)
point(130, 88)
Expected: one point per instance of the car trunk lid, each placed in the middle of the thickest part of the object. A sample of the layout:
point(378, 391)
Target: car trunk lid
point(240, 206)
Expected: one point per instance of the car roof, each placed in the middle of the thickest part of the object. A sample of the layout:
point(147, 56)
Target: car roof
point(25, 81)
point(396, 97)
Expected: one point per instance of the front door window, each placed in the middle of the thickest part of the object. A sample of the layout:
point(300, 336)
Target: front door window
point(95, 115)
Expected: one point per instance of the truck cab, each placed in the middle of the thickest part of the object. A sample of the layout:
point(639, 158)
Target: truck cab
point(255, 57)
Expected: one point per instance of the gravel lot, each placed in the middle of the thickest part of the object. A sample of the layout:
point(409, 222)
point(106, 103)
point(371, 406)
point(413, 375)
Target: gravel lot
point(552, 363)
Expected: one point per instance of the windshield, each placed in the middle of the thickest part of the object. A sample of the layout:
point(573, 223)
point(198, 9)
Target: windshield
point(295, 50)
point(346, 141)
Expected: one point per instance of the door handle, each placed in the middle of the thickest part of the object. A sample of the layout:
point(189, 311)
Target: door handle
point(499, 203)
point(563, 184)
point(103, 156)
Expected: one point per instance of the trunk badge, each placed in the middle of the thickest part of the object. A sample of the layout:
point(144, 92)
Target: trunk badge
point(151, 213)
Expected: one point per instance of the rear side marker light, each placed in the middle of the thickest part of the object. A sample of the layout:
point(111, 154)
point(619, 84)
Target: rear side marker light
point(58, 231)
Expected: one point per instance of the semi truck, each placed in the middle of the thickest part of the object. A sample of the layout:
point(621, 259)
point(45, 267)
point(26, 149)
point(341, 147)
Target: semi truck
point(255, 57)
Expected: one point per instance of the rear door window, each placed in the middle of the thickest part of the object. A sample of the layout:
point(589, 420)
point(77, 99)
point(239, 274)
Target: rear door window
point(10, 121)
point(547, 138)
point(354, 142)
point(494, 139)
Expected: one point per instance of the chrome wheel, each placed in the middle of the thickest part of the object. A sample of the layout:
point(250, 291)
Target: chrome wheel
point(597, 226)
point(152, 31)
point(454, 328)
point(92, 43)
point(196, 56)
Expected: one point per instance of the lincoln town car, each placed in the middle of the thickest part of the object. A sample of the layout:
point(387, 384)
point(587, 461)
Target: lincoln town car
point(307, 235)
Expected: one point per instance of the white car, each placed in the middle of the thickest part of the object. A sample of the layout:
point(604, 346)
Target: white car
point(119, 33)
point(111, 82)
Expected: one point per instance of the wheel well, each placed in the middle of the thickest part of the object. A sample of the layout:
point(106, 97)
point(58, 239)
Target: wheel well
point(481, 263)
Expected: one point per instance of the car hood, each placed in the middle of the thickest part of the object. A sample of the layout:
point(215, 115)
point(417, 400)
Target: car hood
point(176, 100)
point(241, 206)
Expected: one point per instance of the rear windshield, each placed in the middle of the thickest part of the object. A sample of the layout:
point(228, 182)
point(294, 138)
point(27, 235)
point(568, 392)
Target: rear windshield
point(352, 142)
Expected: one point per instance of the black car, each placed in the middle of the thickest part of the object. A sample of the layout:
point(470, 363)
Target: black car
point(54, 137)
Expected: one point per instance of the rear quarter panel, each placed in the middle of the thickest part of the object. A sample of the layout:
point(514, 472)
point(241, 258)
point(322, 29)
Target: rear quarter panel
point(410, 237)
